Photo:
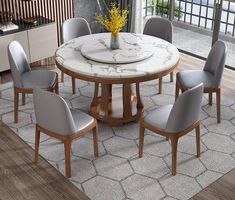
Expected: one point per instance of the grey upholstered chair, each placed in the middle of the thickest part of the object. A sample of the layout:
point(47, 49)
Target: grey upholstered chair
point(210, 76)
point(24, 79)
point(56, 119)
point(161, 28)
point(174, 121)
point(73, 28)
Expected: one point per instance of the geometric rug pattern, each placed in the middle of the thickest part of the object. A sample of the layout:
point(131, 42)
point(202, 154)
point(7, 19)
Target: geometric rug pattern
point(118, 173)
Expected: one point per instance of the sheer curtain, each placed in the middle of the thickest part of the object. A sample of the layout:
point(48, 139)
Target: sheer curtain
point(137, 16)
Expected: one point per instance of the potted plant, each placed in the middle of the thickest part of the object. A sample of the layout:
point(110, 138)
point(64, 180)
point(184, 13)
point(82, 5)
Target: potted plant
point(114, 23)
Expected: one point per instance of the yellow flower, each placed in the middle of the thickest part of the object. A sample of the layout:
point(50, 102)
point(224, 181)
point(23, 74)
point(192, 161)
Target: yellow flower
point(116, 20)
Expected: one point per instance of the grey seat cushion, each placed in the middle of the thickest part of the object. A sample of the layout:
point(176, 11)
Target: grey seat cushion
point(39, 78)
point(81, 119)
point(191, 78)
point(158, 118)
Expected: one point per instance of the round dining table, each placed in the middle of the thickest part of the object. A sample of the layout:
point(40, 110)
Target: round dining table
point(140, 58)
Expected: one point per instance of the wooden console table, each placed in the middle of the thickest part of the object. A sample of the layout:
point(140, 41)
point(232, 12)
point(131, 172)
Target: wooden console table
point(39, 41)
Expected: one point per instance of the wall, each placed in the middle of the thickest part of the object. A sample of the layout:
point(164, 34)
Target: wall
point(57, 10)
point(87, 9)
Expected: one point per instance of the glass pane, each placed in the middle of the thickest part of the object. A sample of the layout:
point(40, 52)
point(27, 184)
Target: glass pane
point(193, 31)
point(193, 25)
point(227, 31)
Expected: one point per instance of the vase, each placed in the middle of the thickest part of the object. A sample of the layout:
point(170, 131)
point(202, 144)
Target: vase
point(114, 44)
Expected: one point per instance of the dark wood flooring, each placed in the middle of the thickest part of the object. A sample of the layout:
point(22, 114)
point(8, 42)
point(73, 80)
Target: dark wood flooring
point(22, 179)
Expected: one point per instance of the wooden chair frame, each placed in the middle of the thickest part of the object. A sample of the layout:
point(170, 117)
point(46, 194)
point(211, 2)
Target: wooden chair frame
point(173, 138)
point(210, 92)
point(160, 82)
point(73, 82)
point(67, 140)
point(23, 91)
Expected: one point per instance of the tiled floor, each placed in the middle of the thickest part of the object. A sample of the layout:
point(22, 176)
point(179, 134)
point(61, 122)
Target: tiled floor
point(118, 173)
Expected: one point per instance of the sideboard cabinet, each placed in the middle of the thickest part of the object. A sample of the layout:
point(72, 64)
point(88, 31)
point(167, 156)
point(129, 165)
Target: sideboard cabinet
point(39, 41)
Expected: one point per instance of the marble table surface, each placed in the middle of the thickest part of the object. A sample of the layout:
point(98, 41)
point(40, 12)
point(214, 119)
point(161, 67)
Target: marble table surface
point(130, 51)
point(164, 56)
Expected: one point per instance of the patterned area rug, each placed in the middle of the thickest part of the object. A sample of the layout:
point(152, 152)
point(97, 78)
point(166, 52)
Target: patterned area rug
point(118, 173)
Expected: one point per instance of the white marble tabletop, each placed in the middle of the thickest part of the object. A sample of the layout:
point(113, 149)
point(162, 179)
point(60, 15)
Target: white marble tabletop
point(164, 56)
point(129, 51)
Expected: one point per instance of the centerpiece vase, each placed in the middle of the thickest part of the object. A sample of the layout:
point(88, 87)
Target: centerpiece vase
point(114, 44)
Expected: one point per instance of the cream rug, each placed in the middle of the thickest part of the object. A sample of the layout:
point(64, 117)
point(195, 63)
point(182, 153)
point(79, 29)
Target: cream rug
point(118, 173)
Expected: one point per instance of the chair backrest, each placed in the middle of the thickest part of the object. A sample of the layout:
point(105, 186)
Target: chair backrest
point(18, 62)
point(159, 27)
point(52, 112)
point(75, 27)
point(186, 110)
point(215, 62)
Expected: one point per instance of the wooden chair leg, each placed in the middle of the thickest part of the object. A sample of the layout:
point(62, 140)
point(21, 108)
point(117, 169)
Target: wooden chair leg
point(197, 129)
point(23, 99)
point(174, 143)
point(95, 140)
point(57, 88)
point(74, 85)
point(210, 98)
point(160, 86)
point(141, 140)
point(37, 142)
point(218, 96)
point(177, 90)
point(62, 77)
point(67, 152)
point(172, 76)
point(16, 105)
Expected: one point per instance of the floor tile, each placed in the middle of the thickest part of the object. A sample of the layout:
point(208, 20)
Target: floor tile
point(218, 142)
point(130, 131)
point(187, 144)
point(81, 169)
point(83, 147)
point(139, 187)
point(158, 146)
point(150, 166)
point(216, 161)
point(113, 167)
point(180, 186)
point(121, 147)
point(187, 164)
point(226, 112)
point(99, 188)
point(225, 128)
point(207, 178)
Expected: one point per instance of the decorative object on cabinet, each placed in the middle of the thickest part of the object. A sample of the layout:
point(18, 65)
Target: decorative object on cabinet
point(6, 23)
point(31, 15)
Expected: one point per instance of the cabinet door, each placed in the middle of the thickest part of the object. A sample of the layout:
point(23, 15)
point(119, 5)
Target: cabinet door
point(21, 37)
point(42, 42)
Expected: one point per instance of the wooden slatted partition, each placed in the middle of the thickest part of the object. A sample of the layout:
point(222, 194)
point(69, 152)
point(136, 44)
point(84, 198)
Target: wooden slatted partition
point(56, 10)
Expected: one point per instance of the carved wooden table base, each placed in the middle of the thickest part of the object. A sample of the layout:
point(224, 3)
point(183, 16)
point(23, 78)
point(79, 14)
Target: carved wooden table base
point(116, 111)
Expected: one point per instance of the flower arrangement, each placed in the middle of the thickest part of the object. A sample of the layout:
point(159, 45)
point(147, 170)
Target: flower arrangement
point(114, 23)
